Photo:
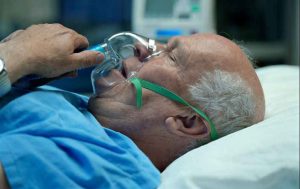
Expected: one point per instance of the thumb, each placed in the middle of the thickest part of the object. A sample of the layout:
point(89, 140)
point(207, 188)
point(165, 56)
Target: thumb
point(85, 59)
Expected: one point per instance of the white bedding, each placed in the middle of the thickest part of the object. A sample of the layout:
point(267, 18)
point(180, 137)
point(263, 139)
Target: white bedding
point(265, 155)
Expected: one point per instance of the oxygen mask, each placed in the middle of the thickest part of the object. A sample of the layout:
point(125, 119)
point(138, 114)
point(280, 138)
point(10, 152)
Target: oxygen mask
point(117, 49)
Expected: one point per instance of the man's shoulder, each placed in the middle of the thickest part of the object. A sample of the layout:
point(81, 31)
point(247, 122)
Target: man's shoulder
point(42, 94)
point(46, 106)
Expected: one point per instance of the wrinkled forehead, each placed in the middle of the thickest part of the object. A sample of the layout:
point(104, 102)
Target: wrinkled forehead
point(192, 53)
point(200, 49)
point(204, 43)
point(203, 53)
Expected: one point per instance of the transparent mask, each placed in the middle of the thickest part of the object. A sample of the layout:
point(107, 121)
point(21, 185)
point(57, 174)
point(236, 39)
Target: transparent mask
point(116, 49)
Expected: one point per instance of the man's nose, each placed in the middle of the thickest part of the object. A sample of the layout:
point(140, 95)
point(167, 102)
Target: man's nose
point(131, 65)
point(141, 52)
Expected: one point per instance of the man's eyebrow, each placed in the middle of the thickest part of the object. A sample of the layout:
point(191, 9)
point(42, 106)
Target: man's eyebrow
point(173, 43)
point(179, 49)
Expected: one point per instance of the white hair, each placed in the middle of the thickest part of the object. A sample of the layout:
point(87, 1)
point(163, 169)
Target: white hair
point(226, 99)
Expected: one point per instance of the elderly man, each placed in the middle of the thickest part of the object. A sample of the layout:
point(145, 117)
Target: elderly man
point(210, 72)
point(219, 94)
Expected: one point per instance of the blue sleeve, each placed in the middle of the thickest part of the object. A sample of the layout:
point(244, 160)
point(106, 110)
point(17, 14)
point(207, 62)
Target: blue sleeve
point(48, 139)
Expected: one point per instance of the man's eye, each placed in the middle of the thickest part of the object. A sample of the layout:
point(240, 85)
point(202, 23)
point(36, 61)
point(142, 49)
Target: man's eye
point(172, 57)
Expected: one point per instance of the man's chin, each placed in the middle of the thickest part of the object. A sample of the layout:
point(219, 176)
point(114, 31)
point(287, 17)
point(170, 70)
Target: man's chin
point(91, 104)
point(93, 108)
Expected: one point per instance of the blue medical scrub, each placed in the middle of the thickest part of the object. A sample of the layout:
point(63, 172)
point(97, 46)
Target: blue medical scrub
point(48, 139)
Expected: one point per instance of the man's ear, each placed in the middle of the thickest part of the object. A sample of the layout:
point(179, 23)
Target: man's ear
point(190, 126)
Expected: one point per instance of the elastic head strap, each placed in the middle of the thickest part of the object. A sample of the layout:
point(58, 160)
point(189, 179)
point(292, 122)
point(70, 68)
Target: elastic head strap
point(140, 83)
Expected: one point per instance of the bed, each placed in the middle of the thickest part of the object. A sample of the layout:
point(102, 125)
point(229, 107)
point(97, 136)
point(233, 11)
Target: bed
point(265, 155)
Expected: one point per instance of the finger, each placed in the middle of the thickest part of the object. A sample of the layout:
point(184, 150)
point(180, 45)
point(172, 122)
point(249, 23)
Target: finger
point(14, 34)
point(85, 59)
point(80, 43)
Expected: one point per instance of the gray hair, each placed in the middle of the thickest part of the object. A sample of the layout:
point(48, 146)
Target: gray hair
point(226, 98)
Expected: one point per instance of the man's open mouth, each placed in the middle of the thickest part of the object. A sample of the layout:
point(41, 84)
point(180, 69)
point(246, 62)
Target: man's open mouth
point(124, 71)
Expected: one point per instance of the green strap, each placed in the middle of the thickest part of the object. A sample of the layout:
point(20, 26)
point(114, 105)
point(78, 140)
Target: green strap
point(137, 84)
point(140, 83)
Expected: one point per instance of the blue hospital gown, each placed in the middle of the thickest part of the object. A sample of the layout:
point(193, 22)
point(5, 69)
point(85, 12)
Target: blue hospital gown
point(48, 139)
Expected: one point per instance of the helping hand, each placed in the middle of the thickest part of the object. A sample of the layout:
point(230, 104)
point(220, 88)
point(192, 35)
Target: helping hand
point(47, 50)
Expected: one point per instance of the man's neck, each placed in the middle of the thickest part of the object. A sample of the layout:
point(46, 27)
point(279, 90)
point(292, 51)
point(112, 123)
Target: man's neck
point(160, 154)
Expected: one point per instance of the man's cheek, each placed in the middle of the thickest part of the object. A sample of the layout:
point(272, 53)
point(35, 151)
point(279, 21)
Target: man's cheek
point(152, 73)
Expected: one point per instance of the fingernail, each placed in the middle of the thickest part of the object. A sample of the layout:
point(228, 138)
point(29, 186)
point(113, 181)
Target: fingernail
point(100, 58)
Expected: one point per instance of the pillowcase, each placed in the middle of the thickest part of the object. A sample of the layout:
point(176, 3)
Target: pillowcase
point(265, 155)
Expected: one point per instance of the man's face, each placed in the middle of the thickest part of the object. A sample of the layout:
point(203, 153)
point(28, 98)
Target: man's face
point(160, 128)
point(181, 65)
point(115, 107)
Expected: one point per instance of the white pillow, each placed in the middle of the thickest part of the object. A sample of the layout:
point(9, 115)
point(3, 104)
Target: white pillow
point(265, 155)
